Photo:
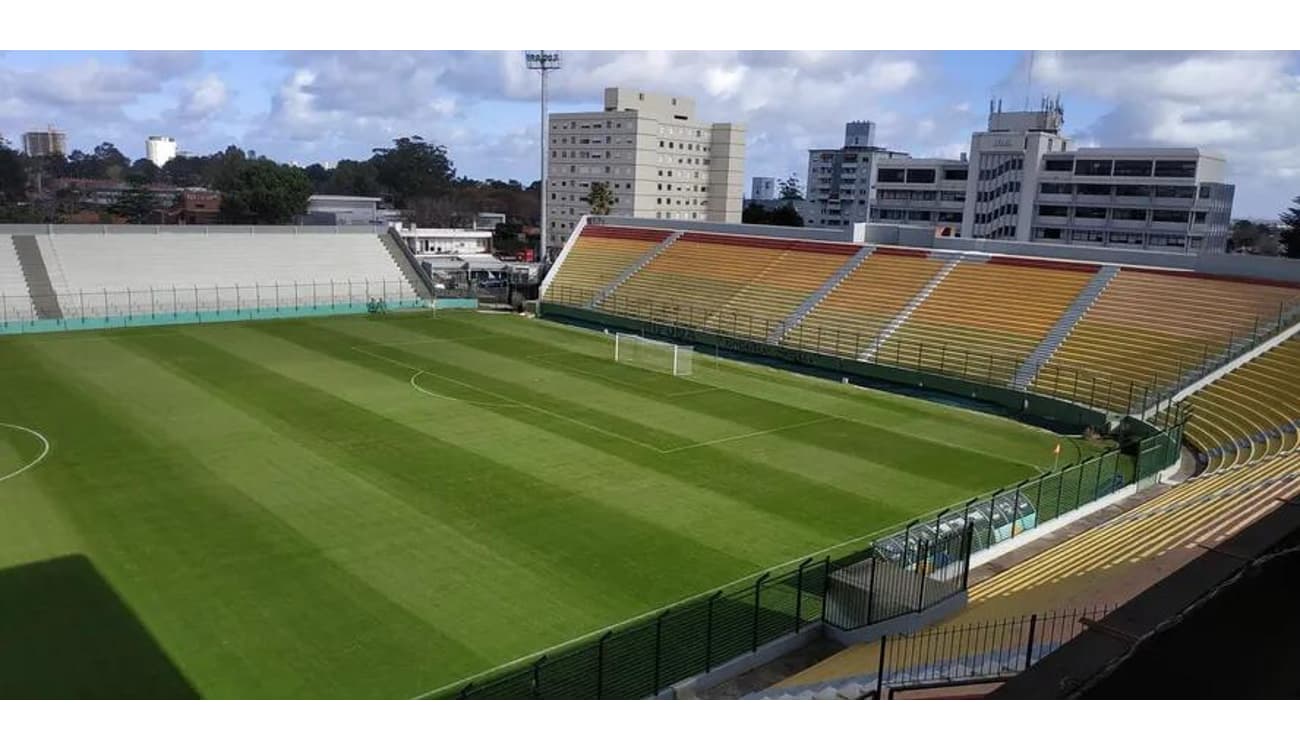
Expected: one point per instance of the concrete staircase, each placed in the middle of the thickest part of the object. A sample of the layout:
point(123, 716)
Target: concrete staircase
point(1052, 341)
point(908, 309)
point(637, 265)
point(44, 299)
point(406, 264)
point(816, 297)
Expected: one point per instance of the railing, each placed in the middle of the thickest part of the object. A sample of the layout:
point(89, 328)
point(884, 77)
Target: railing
point(967, 654)
point(104, 308)
point(893, 572)
point(988, 367)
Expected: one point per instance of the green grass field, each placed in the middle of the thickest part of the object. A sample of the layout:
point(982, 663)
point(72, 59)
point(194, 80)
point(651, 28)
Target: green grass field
point(376, 507)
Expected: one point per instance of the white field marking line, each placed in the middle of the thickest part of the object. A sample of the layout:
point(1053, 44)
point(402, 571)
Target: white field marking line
point(511, 401)
point(671, 605)
point(44, 452)
point(756, 433)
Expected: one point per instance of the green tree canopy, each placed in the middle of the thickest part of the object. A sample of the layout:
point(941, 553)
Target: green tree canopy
point(600, 198)
point(412, 169)
point(13, 175)
point(790, 189)
point(137, 204)
point(1290, 234)
point(263, 192)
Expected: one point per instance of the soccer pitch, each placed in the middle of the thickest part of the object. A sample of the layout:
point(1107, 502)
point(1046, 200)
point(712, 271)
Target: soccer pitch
point(377, 507)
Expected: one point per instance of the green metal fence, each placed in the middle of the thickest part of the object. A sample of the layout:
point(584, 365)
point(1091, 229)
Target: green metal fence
point(901, 570)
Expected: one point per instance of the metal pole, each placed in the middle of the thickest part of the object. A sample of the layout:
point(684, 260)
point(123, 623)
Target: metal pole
point(880, 671)
point(659, 641)
point(798, 596)
point(600, 664)
point(537, 677)
point(758, 592)
point(1029, 648)
point(871, 587)
point(708, 633)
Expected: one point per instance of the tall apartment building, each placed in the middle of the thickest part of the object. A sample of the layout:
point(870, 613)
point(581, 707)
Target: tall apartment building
point(1025, 182)
point(45, 142)
point(862, 182)
point(160, 149)
point(659, 161)
point(762, 189)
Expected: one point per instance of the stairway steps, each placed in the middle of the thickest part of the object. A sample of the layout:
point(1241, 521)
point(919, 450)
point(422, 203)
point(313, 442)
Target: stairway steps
point(637, 265)
point(825, 289)
point(909, 308)
point(44, 299)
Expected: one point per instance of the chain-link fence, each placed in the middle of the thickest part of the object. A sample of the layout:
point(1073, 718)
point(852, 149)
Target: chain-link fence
point(989, 365)
point(105, 308)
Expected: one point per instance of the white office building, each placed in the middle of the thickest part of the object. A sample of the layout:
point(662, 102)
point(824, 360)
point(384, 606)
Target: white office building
point(659, 161)
point(160, 149)
point(1024, 181)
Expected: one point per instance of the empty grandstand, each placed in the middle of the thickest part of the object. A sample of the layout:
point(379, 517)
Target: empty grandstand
point(66, 277)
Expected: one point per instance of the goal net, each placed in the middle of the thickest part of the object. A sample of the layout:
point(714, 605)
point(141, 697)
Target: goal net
point(652, 355)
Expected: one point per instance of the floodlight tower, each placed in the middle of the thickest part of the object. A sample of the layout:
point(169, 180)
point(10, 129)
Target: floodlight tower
point(543, 62)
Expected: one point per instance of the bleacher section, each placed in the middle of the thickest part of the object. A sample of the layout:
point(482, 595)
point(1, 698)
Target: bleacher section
point(851, 316)
point(1151, 327)
point(597, 258)
point(1252, 412)
point(1106, 565)
point(92, 273)
point(986, 318)
point(15, 301)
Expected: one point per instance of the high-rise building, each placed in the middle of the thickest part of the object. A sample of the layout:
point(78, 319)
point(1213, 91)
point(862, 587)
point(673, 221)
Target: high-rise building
point(1028, 184)
point(762, 189)
point(658, 160)
point(160, 149)
point(45, 142)
point(1024, 182)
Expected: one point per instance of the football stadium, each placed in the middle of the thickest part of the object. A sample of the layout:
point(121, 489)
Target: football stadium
point(710, 460)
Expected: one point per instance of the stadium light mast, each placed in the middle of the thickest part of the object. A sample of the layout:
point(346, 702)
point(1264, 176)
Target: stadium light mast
point(543, 62)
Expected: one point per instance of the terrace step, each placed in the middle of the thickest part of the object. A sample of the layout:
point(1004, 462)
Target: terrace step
point(816, 297)
point(637, 265)
point(909, 308)
point(406, 265)
point(44, 301)
point(1030, 368)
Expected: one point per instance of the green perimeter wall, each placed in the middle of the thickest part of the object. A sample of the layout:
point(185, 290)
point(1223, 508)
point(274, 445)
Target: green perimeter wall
point(1060, 415)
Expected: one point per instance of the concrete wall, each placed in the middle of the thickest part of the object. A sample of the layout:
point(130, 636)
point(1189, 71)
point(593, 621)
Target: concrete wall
point(121, 229)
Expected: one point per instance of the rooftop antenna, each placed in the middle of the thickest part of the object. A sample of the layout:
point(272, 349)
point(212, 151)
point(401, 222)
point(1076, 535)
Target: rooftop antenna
point(1029, 78)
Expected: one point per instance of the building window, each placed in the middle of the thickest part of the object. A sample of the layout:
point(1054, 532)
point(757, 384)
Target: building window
point(1130, 214)
point(1175, 169)
point(955, 174)
point(1187, 192)
point(1089, 212)
point(1199, 217)
point(1092, 189)
point(1125, 238)
point(1053, 210)
point(1055, 188)
point(1086, 236)
point(1167, 240)
point(1132, 168)
point(1205, 191)
point(1047, 233)
point(1058, 165)
point(1092, 167)
point(920, 175)
point(890, 175)
point(1176, 217)
point(1133, 191)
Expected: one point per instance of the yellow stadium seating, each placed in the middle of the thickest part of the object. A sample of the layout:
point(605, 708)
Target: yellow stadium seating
point(848, 319)
point(985, 318)
point(596, 259)
point(1149, 328)
point(1250, 413)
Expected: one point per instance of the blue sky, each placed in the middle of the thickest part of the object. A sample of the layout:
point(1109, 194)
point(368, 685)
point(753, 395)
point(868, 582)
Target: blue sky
point(324, 106)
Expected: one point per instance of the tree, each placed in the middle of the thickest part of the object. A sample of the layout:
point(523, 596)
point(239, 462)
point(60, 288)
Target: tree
point(263, 192)
point(13, 175)
point(790, 189)
point(1290, 234)
point(354, 178)
point(145, 169)
point(1256, 238)
point(600, 199)
point(414, 169)
point(112, 164)
point(137, 203)
point(784, 215)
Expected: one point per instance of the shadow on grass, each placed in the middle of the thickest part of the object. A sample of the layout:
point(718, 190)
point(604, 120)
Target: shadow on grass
point(64, 633)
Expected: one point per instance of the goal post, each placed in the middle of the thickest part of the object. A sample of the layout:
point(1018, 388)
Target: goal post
point(661, 356)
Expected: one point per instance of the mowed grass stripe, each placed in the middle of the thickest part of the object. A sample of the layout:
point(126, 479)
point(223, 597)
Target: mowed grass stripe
point(798, 498)
point(482, 496)
point(413, 559)
point(243, 604)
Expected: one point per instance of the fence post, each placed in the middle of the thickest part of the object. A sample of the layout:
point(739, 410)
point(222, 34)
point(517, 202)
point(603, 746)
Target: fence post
point(880, 671)
point(659, 641)
point(871, 584)
point(1029, 648)
point(758, 593)
point(970, 545)
point(798, 596)
point(537, 677)
point(826, 586)
point(600, 664)
point(920, 555)
point(708, 633)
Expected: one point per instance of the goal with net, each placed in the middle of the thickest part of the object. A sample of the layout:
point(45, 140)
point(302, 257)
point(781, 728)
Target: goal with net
point(661, 356)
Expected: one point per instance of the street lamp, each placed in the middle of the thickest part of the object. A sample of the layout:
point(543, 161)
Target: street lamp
point(544, 62)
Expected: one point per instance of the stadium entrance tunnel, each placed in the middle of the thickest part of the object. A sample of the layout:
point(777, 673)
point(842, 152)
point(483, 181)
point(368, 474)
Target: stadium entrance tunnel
point(1030, 408)
point(65, 633)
